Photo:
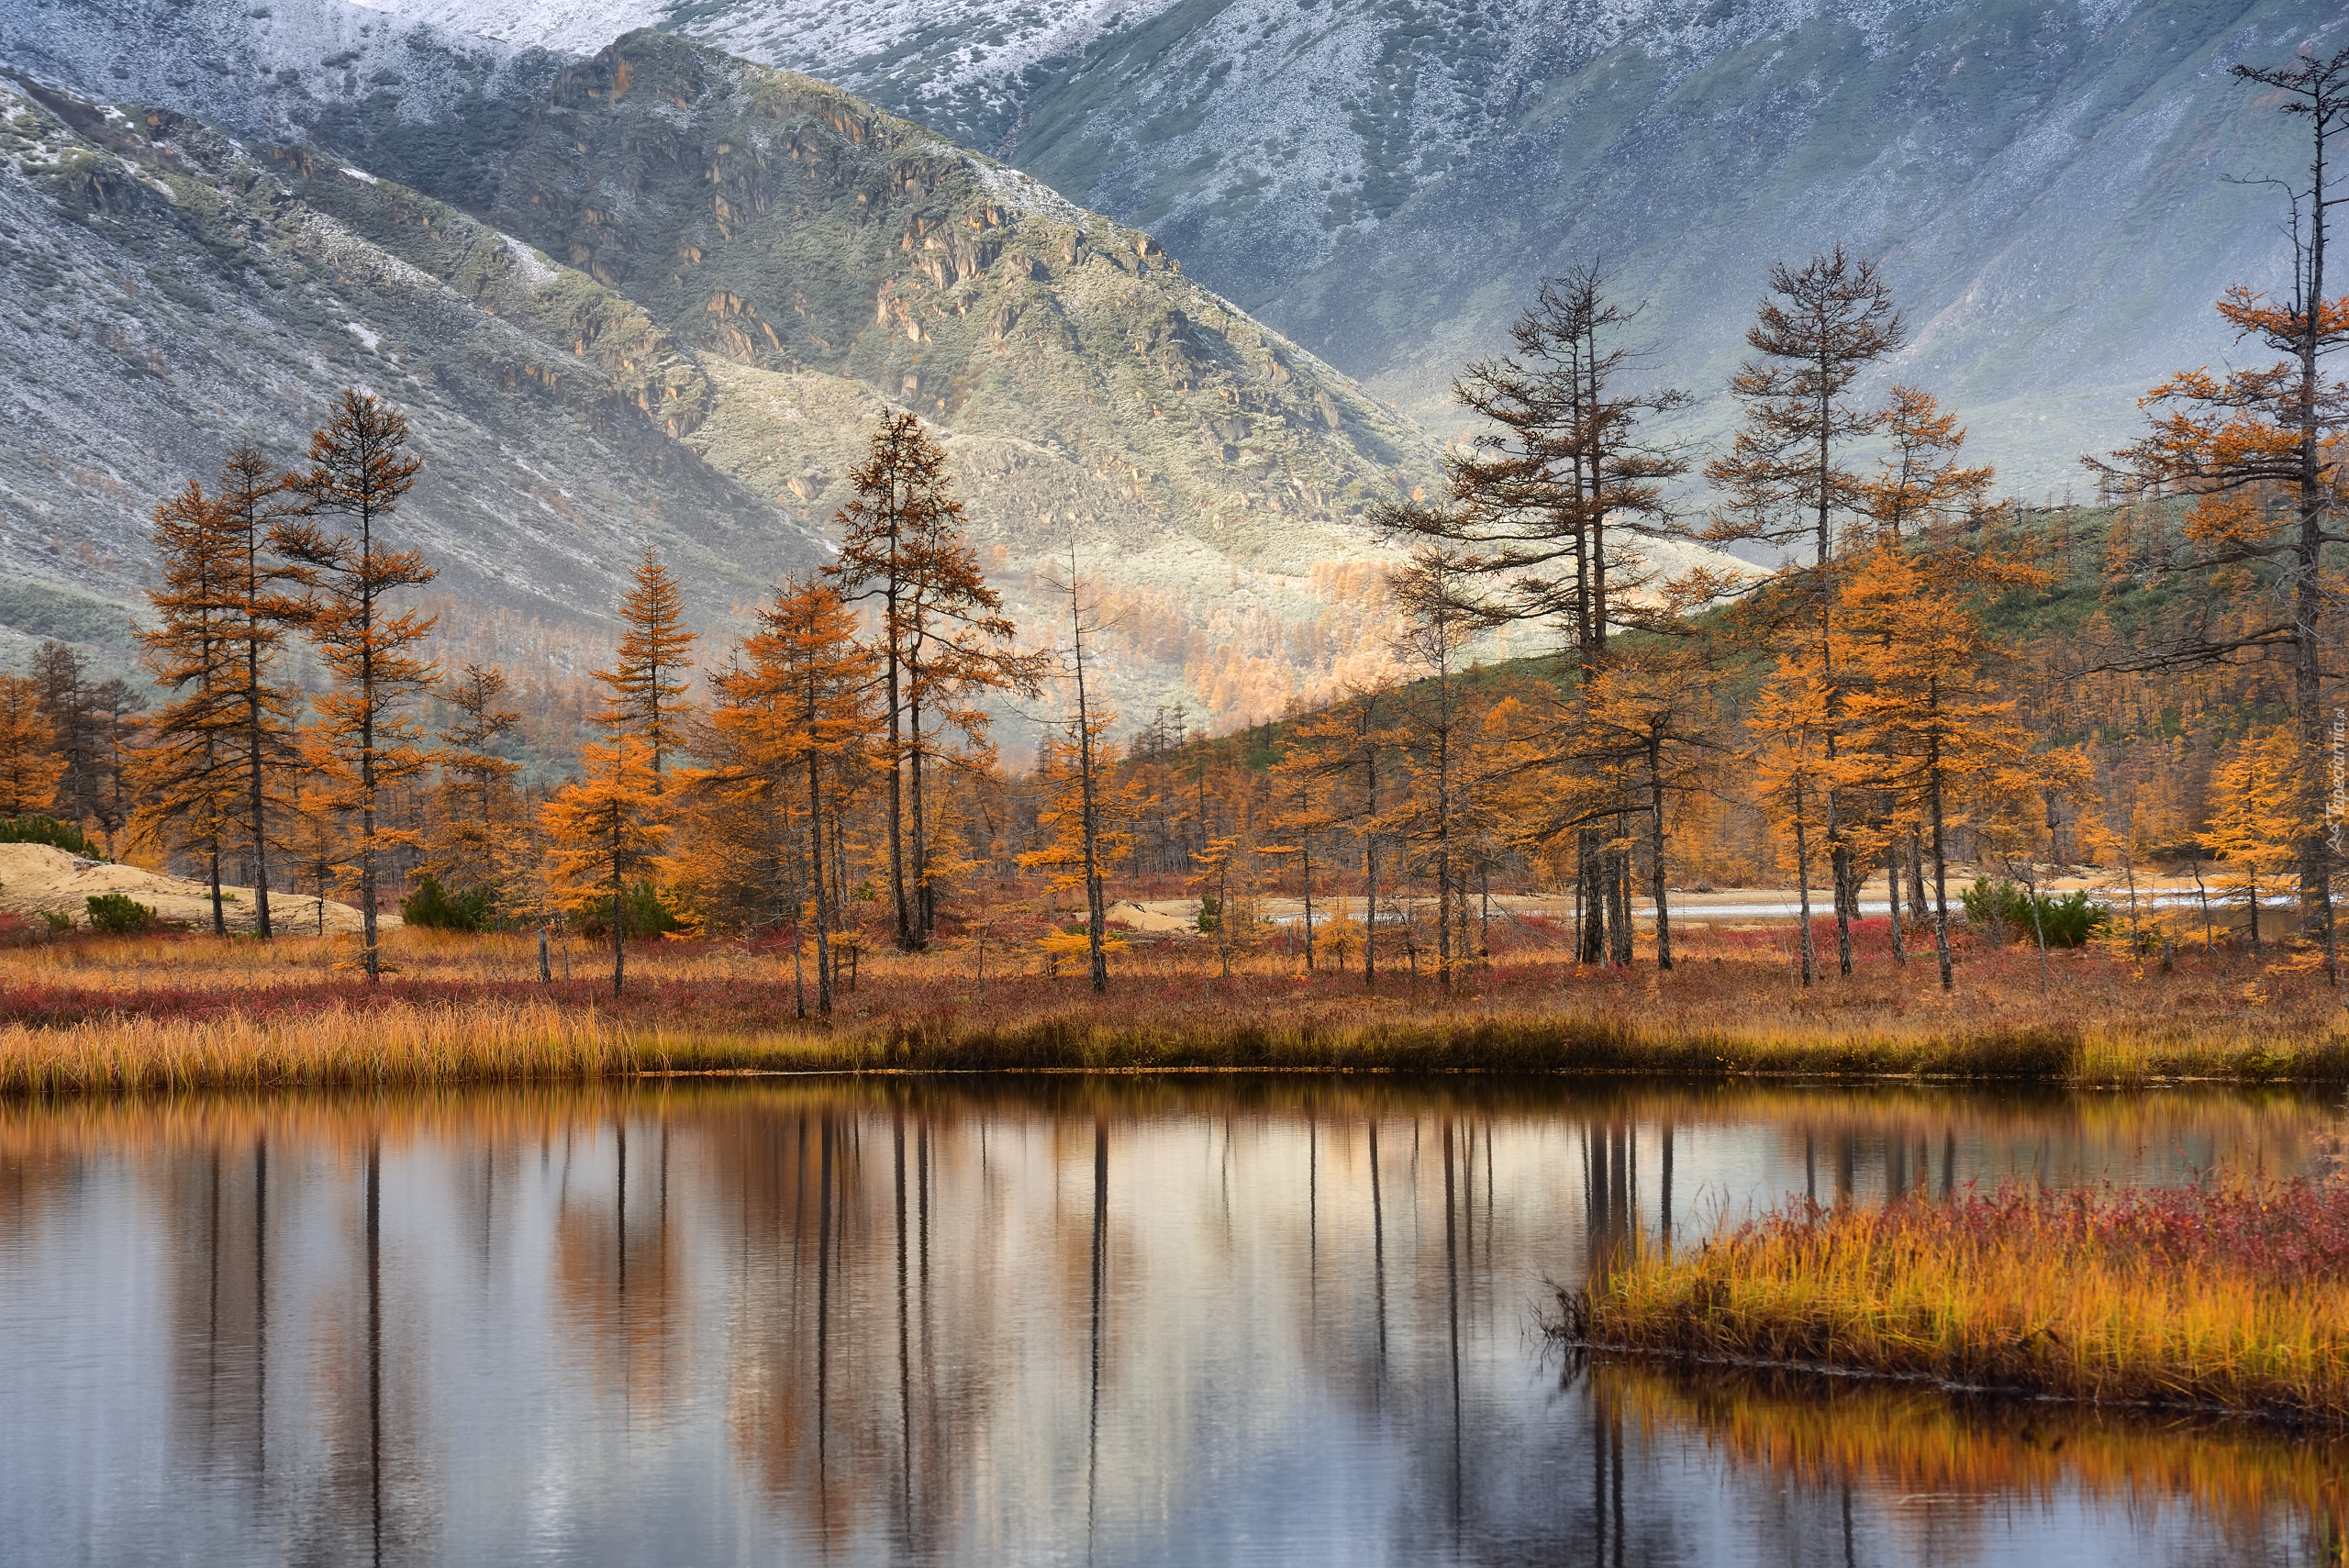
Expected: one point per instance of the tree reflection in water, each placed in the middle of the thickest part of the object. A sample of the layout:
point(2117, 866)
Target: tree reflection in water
point(907, 1320)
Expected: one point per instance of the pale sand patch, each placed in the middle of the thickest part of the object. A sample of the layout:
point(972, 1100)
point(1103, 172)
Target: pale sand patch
point(38, 879)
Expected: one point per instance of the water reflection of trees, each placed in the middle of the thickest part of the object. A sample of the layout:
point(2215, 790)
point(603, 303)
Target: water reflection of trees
point(1964, 1466)
point(955, 1321)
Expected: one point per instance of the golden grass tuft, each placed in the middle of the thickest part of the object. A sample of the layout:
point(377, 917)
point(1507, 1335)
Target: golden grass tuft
point(2025, 1292)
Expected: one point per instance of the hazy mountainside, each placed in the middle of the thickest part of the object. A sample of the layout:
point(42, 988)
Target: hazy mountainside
point(165, 293)
point(657, 296)
point(1386, 179)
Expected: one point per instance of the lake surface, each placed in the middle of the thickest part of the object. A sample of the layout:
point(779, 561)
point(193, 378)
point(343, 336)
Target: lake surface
point(1047, 1320)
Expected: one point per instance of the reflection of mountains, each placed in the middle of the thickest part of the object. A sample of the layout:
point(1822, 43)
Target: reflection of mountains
point(934, 1320)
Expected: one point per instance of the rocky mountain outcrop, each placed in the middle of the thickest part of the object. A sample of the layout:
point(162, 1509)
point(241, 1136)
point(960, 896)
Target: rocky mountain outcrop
point(656, 296)
point(1386, 179)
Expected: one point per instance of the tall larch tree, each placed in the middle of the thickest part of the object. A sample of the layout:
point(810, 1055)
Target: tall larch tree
point(259, 613)
point(796, 714)
point(2260, 449)
point(953, 643)
point(367, 737)
point(30, 765)
point(1549, 502)
point(1921, 710)
point(903, 475)
point(187, 777)
point(478, 808)
point(644, 691)
point(1788, 476)
point(1437, 621)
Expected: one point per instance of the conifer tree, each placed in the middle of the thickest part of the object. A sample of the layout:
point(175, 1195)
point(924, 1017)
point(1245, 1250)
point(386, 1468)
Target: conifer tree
point(795, 715)
point(644, 694)
point(367, 735)
point(187, 775)
point(1788, 476)
point(258, 612)
point(1921, 712)
point(479, 810)
point(1793, 770)
point(1342, 745)
point(606, 832)
point(1644, 738)
point(943, 638)
point(2261, 449)
point(30, 765)
point(2255, 823)
point(1091, 811)
point(1437, 621)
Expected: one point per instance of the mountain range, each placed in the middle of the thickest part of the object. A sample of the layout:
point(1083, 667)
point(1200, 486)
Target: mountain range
point(1181, 284)
point(2048, 183)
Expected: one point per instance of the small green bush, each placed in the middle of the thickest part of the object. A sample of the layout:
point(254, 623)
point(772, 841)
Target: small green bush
point(2006, 910)
point(646, 915)
point(434, 906)
point(118, 913)
point(44, 830)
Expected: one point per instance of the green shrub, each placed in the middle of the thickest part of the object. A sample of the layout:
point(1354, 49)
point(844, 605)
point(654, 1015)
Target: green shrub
point(646, 915)
point(1210, 912)
point(44, 830)
point(118, 913)
point(2006, 911)
point(434, 906)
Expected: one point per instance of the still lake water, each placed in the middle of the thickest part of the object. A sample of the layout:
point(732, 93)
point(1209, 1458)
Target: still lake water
point(1053, 1320)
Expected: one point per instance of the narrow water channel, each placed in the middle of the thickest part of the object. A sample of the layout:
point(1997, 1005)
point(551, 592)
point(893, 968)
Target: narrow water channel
point(1051, 1320)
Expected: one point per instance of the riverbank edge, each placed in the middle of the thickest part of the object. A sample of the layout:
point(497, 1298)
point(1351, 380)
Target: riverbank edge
point(432, 1045)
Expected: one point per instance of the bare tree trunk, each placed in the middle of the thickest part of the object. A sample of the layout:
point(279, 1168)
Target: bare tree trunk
point(1655, 852)
point(1802, 883)
point(1892, 895)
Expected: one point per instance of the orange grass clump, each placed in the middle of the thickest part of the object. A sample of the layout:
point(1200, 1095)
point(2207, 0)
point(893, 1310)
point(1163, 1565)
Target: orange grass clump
point(98, 1013)
point(2233, 1298)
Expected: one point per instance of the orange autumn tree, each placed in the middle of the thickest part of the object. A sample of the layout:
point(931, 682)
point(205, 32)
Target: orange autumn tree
point(644, 692)
point(606, 832)
point(791, 721)
point(2261, 449)
point(944, 642)
point(1793, 769)
point(1788, 478)
point(1926, 724)
point(2255, 825)
point(30, 765)
point(367, 741)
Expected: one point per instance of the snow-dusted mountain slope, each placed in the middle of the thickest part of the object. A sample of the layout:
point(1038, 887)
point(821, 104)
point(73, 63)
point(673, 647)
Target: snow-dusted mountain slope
point(1388, 179)
point(656, 296)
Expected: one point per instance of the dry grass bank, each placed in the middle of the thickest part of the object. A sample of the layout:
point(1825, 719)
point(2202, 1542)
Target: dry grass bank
point(97, 1013)
point(2220, 1299)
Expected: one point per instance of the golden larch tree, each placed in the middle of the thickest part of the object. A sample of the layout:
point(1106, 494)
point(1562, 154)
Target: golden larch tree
point(30, 765)
point(644, 691)
point(604, 832)
point(367, 739)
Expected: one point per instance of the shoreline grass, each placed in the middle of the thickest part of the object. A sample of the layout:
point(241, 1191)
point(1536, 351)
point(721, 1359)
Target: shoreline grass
point(2218, 1299)
point(113, 1014)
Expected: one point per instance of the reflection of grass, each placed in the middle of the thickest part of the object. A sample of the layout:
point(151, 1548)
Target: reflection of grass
point(1977, 1456)
point(2226, 1296)
point(98, 1012)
